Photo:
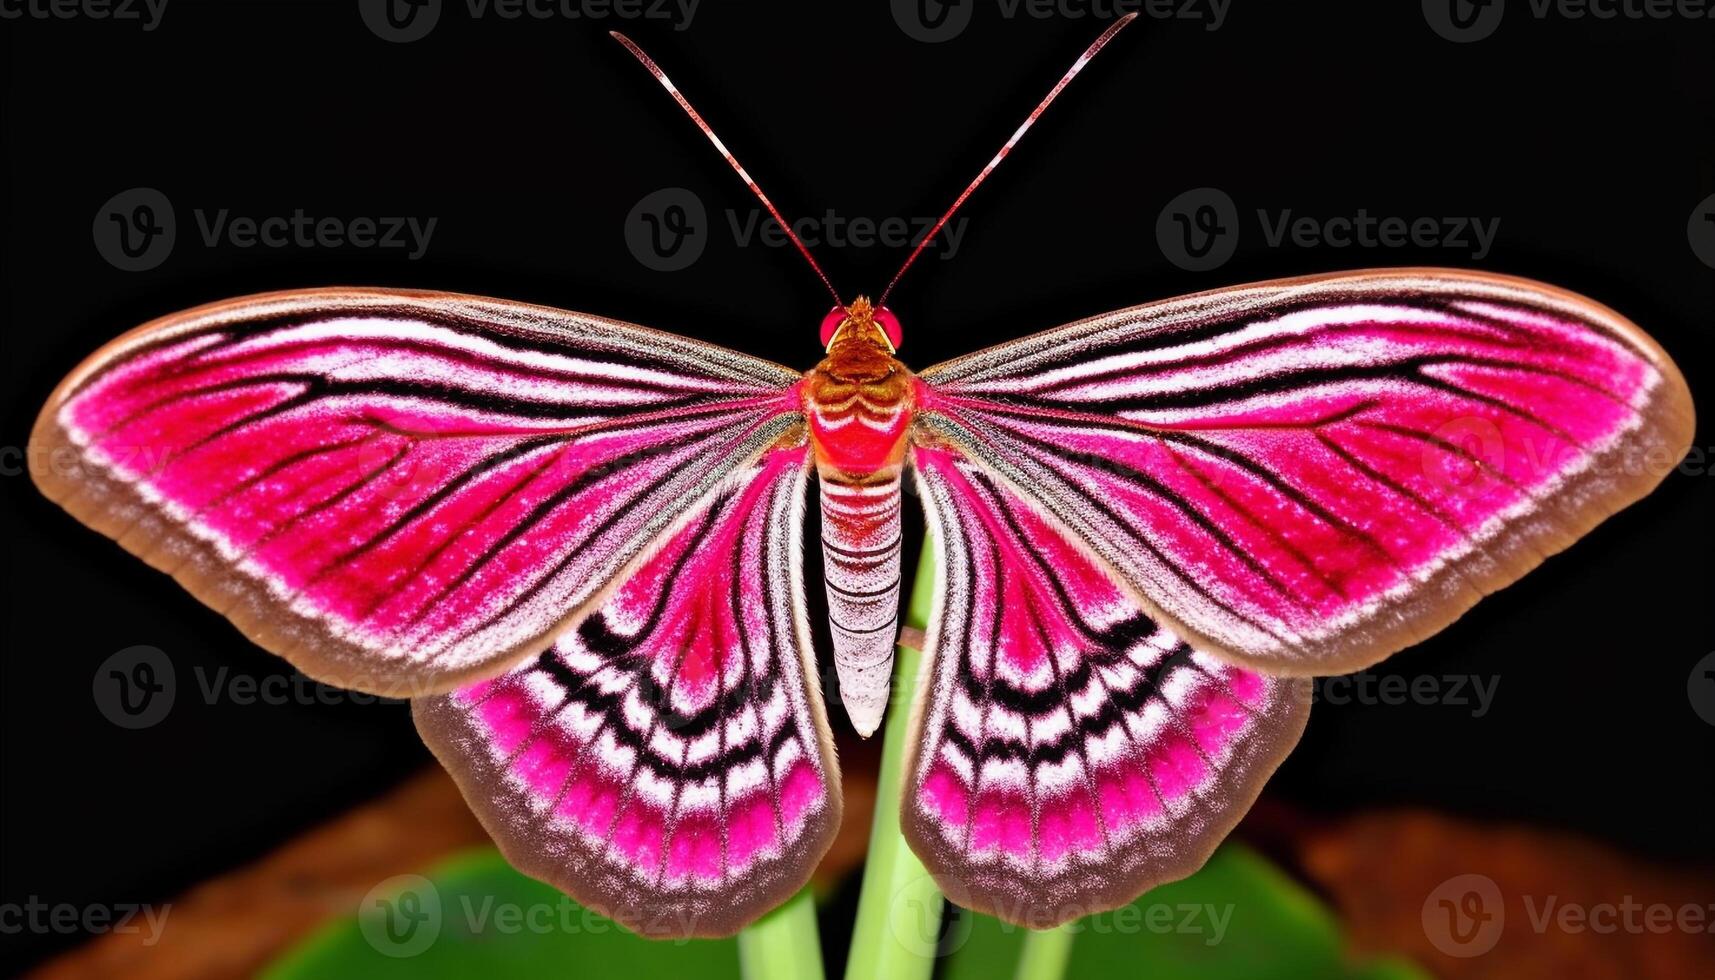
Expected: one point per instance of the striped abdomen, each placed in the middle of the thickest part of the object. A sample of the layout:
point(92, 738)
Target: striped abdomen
point(858, 402)
point(860, 558)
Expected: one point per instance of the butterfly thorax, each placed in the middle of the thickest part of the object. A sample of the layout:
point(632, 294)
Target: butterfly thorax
point(858, 401)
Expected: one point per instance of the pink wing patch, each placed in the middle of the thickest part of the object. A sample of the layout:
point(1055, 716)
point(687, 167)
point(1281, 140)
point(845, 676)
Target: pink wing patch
point(1308, 475)
point(668, 762)
point(400, 492)
point(1070, 753)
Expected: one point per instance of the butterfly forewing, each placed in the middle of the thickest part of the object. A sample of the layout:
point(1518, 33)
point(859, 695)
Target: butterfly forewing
point(400, 491)
point(1069, 753)
point(667, 763)
point(1307, 475)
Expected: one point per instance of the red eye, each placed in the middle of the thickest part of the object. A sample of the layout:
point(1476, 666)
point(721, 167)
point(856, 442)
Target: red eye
point(831, 322)
point(889, 324)
point(884, 319)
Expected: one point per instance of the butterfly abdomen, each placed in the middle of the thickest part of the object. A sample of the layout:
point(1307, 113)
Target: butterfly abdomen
point(860, 558)
point(858, 401)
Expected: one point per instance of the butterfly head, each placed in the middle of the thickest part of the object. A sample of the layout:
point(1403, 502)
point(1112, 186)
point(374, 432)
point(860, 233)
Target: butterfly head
point(861, 323)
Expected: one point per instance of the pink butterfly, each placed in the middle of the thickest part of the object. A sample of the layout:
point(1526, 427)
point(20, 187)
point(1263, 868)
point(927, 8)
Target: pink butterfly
point(577, 542)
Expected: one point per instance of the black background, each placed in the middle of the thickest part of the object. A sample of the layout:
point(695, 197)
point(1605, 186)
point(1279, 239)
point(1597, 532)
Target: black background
point(530, 141)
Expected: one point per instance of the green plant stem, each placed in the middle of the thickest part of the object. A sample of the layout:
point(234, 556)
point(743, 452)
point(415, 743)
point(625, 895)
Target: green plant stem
point(899, 908)
point(1045, 953)
point(783, 945)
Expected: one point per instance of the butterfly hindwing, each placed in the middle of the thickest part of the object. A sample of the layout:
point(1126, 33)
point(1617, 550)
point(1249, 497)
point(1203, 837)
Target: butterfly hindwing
point(400, 491)
point(1067, 752)
point(1307, 475)
point(668, 762)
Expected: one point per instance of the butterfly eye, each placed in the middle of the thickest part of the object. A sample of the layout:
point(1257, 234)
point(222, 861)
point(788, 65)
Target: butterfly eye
point(831, 323)
point(884, 319)
point(889, 324)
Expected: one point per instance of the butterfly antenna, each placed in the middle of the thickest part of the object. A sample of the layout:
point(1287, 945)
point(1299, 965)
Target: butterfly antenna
point(685, 104)
point(1066, 79)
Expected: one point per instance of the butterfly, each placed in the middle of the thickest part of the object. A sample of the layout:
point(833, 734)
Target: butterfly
point(577, 544)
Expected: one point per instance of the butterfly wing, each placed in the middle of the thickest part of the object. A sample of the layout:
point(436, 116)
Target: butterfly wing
point(1307, 475)
point(668, 762)
point(1068, 752)
point(400, 491)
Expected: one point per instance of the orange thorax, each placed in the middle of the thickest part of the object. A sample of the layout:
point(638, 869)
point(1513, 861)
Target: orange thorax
point(858, 401)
